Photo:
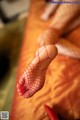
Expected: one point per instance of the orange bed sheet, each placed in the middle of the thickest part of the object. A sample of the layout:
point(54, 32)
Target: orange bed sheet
point(62, 85)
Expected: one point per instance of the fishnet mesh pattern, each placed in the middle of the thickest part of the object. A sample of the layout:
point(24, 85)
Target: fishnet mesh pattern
point(64, 15)
point(33, 78)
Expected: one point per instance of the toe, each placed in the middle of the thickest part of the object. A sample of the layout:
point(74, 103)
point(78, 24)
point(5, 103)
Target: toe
point(21, 88)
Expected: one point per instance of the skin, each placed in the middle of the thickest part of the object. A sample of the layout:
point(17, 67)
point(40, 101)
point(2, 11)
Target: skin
point(33, 78)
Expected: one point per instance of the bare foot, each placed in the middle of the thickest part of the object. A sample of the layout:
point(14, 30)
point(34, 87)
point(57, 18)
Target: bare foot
point(33, 78)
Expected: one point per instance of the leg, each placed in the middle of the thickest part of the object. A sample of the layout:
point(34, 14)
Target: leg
point(33, 78)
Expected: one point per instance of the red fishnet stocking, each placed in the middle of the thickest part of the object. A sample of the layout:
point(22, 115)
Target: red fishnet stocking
point(33, 78)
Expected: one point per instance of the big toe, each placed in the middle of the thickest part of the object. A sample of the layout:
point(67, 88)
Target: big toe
point(21, 88)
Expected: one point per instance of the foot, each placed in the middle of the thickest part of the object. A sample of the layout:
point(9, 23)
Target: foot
point(33, 78)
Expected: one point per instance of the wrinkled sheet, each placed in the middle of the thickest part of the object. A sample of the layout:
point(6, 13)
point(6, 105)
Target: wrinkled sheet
point(62, 85)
